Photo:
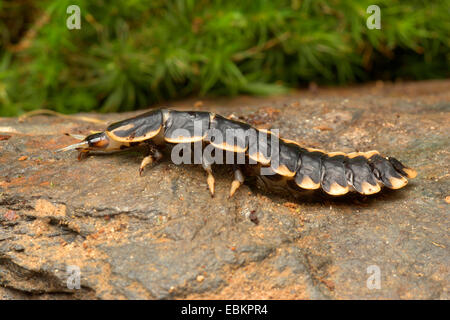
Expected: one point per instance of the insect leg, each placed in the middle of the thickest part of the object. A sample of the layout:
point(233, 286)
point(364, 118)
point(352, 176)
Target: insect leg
point(82, 154)
point(210, 179)
point(153, 154)
point(238, 180)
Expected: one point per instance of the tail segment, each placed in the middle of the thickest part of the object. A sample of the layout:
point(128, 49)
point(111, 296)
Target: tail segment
point(338, 173)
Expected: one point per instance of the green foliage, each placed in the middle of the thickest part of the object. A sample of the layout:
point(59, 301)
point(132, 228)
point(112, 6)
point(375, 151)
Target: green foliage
point(129, 54)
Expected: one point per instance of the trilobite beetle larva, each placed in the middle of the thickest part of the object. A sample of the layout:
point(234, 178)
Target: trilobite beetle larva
point(298, 167)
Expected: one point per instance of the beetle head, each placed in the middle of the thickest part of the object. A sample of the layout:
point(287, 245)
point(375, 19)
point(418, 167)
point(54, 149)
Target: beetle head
point(94, 142)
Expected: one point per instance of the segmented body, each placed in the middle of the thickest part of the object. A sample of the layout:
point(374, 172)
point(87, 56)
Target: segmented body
point(303, 168)
point(335, 173)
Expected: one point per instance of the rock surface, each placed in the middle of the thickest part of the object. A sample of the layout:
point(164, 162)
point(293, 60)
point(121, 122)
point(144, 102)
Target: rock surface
point(162, 236)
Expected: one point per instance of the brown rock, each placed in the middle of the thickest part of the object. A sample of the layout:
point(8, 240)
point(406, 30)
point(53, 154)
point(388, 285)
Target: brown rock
point(151, 237)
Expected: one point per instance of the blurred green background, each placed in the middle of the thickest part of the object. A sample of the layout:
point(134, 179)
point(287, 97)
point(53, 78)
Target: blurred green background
point(130, 54)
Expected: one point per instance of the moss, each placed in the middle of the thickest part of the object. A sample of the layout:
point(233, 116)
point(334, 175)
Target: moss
point(129, 54)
